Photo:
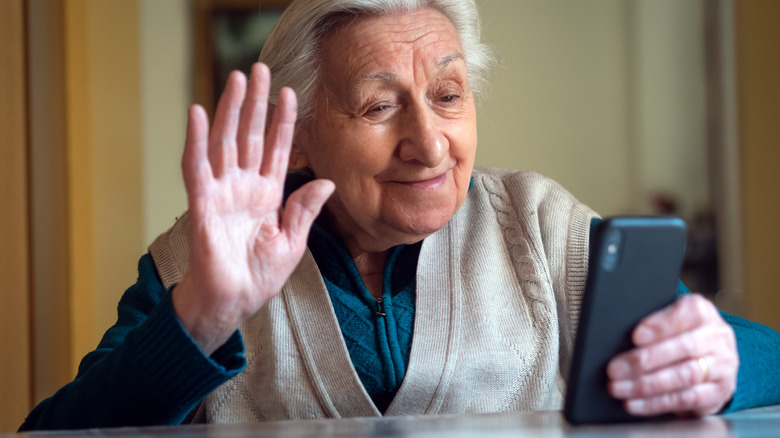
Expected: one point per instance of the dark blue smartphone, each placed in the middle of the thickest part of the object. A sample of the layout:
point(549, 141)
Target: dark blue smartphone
point(633, 270)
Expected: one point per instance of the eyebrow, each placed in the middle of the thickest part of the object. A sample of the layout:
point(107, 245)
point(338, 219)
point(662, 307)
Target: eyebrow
point(387, 76)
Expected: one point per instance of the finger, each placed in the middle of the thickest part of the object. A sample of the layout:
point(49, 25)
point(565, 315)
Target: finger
point(670, 379)
point(194, 163)
point(276, 150)
point(686, 313)
point(302, 207)
point(222, 140)
point(707, 340)
point(251, 127)
point(701, 399)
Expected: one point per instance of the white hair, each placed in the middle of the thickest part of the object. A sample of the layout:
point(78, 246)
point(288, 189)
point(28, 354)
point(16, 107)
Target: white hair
point(292, 48)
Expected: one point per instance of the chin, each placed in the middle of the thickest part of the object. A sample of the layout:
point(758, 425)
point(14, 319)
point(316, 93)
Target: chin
point(423, 224)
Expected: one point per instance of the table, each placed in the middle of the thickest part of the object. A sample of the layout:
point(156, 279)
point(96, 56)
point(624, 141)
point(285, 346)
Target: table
point(753, 423)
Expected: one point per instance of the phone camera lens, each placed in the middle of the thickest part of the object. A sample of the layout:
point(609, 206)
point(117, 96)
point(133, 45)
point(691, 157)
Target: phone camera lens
point(610, 258)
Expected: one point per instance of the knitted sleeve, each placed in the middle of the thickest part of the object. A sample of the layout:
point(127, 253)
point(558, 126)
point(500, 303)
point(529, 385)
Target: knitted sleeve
point(758, 378)
point(146, 370)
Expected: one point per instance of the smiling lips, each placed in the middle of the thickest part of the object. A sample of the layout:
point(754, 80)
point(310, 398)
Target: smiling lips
point(427, 184)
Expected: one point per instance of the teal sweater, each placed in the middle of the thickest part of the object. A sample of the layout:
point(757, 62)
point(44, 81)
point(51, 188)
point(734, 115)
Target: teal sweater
point(378, 332)
point(148, 371)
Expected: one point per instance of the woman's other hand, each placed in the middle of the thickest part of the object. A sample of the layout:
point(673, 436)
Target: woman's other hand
point(684, 362)
point(243, 245)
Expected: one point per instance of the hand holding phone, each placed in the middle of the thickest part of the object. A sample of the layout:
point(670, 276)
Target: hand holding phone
point(633, 271)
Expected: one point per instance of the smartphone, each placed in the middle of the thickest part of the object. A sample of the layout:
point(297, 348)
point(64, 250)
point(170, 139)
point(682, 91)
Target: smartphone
point(633, 270)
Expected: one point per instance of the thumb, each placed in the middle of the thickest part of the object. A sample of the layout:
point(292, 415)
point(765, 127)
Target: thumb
point(302, 207)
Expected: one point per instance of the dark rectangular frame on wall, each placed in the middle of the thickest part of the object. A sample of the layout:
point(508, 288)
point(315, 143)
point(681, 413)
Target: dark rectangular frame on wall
point(207, 82)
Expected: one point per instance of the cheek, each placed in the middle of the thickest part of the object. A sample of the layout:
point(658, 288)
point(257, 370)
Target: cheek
point(358, 157)
point(462, 134)
point(464, 149)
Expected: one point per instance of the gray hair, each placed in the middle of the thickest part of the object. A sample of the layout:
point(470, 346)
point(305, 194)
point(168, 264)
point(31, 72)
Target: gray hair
point(292, 48)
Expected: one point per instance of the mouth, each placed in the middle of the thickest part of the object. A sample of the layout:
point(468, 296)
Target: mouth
point(427, 184)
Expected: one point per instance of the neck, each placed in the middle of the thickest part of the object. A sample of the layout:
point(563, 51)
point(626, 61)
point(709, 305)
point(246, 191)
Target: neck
point(371, 266)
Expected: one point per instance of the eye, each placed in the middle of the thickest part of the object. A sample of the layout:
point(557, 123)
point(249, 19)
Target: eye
point(380, 111)
point(450, 98)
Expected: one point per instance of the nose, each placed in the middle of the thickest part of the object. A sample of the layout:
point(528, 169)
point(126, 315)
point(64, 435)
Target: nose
point(424, 141)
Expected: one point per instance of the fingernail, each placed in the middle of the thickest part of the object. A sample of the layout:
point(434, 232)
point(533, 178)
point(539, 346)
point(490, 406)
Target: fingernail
point(643, 335)
point(618, 369)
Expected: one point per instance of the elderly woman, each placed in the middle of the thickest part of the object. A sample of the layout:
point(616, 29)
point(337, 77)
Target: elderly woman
point(425, 286)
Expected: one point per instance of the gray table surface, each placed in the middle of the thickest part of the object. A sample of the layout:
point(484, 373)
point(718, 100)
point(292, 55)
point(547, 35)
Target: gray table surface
point(762, 422)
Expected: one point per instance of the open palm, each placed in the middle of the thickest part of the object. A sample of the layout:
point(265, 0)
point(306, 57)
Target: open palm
point(243, 245)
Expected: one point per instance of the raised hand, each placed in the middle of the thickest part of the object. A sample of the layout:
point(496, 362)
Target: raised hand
point(685, 362)
point(243, 245)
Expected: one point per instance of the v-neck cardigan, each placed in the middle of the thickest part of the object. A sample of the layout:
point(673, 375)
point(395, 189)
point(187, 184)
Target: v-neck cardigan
point(499, 290)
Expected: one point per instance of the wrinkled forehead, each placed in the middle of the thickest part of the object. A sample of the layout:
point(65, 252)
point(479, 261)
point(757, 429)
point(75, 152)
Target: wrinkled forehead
point(367, 47)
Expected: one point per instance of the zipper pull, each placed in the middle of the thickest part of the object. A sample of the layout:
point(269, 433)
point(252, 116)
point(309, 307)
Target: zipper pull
point(380, 307)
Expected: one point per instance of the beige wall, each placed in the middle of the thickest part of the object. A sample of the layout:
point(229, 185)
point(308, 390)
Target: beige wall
point(166, 92)
point(605, 96)
point(668, 97)
point(558, 105)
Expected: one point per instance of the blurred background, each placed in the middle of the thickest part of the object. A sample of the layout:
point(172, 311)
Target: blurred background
point(635, 106)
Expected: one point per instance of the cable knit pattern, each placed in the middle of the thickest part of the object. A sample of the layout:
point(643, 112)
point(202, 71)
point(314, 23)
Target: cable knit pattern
point(526, 268)
point(513, 234)
point(493, 317)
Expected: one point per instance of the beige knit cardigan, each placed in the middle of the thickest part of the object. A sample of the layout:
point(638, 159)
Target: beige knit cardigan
point(499, 290)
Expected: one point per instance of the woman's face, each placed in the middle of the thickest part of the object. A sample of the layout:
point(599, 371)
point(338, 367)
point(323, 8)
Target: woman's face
point(394, 127)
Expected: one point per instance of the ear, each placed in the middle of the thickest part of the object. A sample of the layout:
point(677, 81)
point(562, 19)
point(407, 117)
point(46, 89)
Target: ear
point(298, 159)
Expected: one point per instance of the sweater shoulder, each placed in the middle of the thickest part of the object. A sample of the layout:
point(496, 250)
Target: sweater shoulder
point(529, 192)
